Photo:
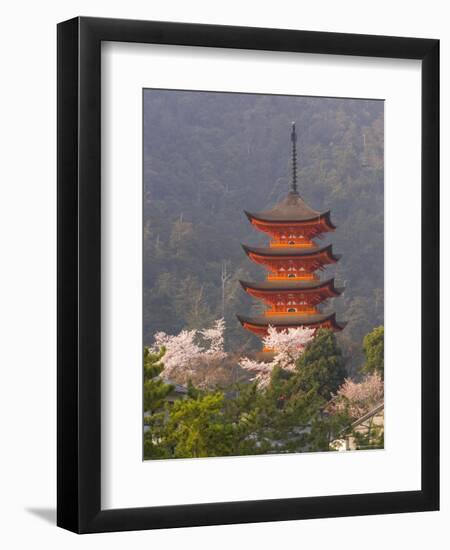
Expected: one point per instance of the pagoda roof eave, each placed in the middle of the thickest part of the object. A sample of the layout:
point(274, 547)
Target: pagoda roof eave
point(292, 286)
point(287, 252)
point(276, 220)
point(291, 321)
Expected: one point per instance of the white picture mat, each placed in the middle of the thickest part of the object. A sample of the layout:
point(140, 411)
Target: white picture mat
point(127, 481)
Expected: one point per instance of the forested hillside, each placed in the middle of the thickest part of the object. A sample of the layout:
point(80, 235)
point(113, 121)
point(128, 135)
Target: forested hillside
point(209, 156)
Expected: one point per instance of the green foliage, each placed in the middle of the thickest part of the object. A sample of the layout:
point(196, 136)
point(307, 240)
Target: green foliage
point(324, 429)
point(300, 418)
point(372, 439)
point(192, 391)
point(155, 389)
point(321, 368)
point(153, 442)
point(373, 345)
point(155, 393)
point(196, 428)
point(241, 412)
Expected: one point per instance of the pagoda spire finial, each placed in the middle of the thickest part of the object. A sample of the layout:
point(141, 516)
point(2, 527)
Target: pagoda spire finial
point(294, 158)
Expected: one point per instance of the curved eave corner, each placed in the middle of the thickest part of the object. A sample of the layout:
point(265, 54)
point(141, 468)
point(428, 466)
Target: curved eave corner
point(338, 326)
point(329, 283)
point(325, 217)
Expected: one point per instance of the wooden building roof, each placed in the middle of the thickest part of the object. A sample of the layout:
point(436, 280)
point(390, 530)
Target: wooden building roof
point(293, 286)
point(291, 209)
point(291, 321)
point(291, 252)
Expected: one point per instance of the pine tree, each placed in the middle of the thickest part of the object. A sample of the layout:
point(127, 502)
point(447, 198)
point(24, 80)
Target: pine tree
point(155, 389)
point(373, 345)
point(321, 367)
point(155, 393)
point(196, 427)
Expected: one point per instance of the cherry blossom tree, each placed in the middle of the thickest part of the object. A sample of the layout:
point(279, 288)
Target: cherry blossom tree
point(213, 337)
point(260, 370)
point(190, 350)
point(358, 398)
point(190, 353)
point(288, 346)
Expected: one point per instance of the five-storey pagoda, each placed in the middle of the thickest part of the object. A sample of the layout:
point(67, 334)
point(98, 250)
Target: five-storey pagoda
point(292, 290)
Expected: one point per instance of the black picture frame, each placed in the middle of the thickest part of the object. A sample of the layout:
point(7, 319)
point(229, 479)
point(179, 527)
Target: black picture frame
point(79, 280)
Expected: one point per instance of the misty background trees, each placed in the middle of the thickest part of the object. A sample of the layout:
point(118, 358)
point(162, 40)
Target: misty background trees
point(209, 156)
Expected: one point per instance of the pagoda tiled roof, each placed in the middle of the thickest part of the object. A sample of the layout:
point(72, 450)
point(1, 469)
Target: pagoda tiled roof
point(291, 209)
point(291, 320)
point(291, 252)
point(291, 286)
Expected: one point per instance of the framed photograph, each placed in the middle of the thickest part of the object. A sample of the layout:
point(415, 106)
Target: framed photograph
point(248, 288)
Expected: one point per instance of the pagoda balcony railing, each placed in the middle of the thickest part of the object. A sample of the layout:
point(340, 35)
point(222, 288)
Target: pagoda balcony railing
point(284, 244)
point(299, 310)
point(302, 277)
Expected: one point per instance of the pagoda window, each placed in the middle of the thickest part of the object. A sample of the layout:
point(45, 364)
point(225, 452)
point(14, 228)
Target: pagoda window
point(292, 275)
point(292, 310)
point(291, 242)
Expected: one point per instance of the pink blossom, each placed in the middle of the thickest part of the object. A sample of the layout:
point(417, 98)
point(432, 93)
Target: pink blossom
point(288, 346)
point(357, 399)
point(261, 371)
point(213, 337)
point(190, 350)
